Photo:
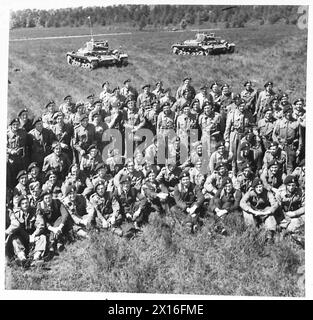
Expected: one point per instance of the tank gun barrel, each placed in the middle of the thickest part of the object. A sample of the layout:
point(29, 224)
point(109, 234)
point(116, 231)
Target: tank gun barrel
point(90, 26)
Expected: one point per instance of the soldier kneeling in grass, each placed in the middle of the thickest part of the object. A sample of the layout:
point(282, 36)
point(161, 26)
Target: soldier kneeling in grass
point(226, 201)
point(104, 207)
point(188, 203)
point(259, 206)
point(25, 234)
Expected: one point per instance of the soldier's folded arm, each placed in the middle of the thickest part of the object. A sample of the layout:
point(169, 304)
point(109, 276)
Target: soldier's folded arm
point(179, 202)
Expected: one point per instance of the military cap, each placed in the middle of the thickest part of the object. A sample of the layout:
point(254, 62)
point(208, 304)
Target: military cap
point(266, 109)
point(287, 108)
point(225, 181)
point(72, 166)
point(37, 119)
point(273, 144)
point(186, 91)
point(299, 100)
point(204, 87)
point(20, 199)
point(245, 145)
point(34, 185)
point(125, 179)
point(69, 189)
point(268, 83)
point(97, 101)
point(197, 144)
point(93, 146)
point(256, 182)
point(149, 171)
point(98, 183)
point(79, 103)
point(97, 114)
point(220, 144)
point(14, 120)
point(49, 173)
point(247, 82)
point(91, 96)
point(194, 101)
point(56, 190)
point(23, 110)
point(177, 138)
point(106, 83)
point(184, 174)
point(57, 114)
point(100, 166)
point(273, 162)
point(284, 95)
point(207, 103)
point(166, 103)
point(115, 89)
point(237, 97)
point(66, 97)
point(83, 117)
point(49, 103)
point(244, 165)
point(213, 84)
point(219, 165)
point(45, 192)
point(32, 165)
point(187, 78)
point(56, 144)
point(21, 174)
point(290, 179)
point(158, 82)
point(146, 86)
point(127, 80)
point(242, 101)
point(167, 90)
point(285, 104)
point(225, 85)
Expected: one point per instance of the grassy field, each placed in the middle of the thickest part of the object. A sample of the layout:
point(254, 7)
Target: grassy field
point(163, 259)
point(277, 54)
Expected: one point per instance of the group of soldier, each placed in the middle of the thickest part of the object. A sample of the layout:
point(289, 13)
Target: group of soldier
point(64, 179)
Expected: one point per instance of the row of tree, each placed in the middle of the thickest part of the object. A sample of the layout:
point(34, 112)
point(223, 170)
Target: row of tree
point(154, 15)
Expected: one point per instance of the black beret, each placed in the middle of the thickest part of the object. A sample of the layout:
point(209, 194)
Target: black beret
point(184, 174)
point(83, 117)
point(299, 100)
point(57, 114)
point(290, 179)
point(287, 108)
point(245, 145)
point(100, 166)
point(93, 146)
point(32, 165)
point(244, 165)
point(220, 144)
point(247, 83)
point(115, 89)
point(225, 85)
point(91, 96)
point(14, 120)
point(66, 97)
point(266, 109)
point(273, 163)
point(214, 83)
point(20, 198)
point(256, 182)
point(44, 192)
point(127, 80)
point(23, 110)
point(273, 144)
point(125, 178)
point(20, 174)
point(219, 165)
point(159, 82)
point(146, 86)
point(268, 83)
point(225, 181)
point(105, 83)
point(37, 119)
point(69, 189)
point(49, 173)
point(204, 87)
point(49, 103)
point(97, 101)
point(187, 78)
point(98, 183)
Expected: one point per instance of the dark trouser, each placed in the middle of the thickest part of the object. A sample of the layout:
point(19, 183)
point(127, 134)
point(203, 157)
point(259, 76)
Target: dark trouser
point(291, 158)
point(183, 217)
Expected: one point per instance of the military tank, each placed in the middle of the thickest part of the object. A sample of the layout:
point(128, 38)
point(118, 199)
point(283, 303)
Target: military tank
point(96, 53)
point(204, 44)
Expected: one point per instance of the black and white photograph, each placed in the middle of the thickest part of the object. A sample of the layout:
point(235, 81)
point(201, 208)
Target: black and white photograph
point(156, 148)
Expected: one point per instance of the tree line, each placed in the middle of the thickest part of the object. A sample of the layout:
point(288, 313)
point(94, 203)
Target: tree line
point(141, 16)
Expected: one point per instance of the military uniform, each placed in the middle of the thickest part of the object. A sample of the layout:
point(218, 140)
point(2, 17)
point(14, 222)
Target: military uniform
point(261, 202)
point(136, 178)
point(272, 182)
point(47, 120)
point(165, 121)
point(263, 100)
point(211, 130)
point(84, 137)
point(17, 153)
point(286, 133)
point(182, 88)
point(292, 206)
point(250, 97)
point(40, 144)
point(243, 182)
point(184, 124)
point(265, 129)
point(59, 163)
